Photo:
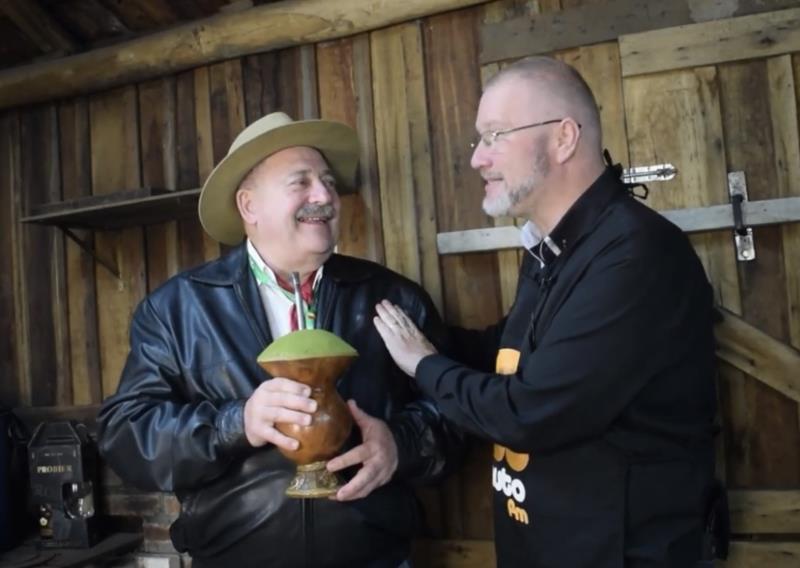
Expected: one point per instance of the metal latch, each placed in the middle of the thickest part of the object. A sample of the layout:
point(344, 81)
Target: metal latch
point(742, 234)
point(644, 174)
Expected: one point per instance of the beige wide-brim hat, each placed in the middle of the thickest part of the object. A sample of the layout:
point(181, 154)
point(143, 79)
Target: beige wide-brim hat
point(337, 142)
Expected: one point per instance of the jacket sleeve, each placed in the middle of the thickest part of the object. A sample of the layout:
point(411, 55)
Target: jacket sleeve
point(428, 445)
point(615, 331)
point(151, 432)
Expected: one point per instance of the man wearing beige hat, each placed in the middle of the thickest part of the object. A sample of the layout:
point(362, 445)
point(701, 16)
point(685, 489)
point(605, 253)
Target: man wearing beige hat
point(195, 414)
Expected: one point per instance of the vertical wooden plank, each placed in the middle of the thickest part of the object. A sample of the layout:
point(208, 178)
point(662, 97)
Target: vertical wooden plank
point(453, 94)
point(748, 148)
point(368, 164)
point(345, 87)
point(453, 85)
point(190, 232)
point(309, 100)
point(764, 417)
point(227, 107)
point(403, 151)
point(13, 362)
point(784, 92)
point(272, 83)
point(115, 166)
point(202, 112)
point(76, 182)
point(43, 262)
point(254, 69)
point(205, 143)
point(157, 142)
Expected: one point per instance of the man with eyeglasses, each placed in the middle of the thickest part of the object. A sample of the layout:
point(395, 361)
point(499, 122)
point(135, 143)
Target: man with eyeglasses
point(597, 388)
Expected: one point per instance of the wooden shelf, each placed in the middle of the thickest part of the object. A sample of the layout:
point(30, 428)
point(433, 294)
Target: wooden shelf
point(136, 207)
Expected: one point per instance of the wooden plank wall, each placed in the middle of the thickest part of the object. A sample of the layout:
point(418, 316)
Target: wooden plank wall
point(411, 91)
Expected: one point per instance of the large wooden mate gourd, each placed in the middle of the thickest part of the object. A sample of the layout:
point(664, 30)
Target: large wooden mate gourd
point(317, 358)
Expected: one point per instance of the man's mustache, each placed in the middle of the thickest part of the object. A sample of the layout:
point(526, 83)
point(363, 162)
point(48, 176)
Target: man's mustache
point(325, 211)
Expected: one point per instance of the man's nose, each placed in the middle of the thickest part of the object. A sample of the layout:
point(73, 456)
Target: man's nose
point(480, 156)
point(320, 192)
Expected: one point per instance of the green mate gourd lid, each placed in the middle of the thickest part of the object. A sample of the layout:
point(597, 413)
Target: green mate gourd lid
point(306, 344)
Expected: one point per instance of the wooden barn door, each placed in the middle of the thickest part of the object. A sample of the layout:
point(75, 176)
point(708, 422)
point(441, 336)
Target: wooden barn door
point(714, 98)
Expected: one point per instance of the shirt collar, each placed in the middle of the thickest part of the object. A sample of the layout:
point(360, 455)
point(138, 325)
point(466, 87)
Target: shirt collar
point(533, 240)
point(578, 219)
point(264, 274)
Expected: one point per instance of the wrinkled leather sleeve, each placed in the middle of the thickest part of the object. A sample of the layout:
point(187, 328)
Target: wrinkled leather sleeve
point(428, 445)
point(151, 433)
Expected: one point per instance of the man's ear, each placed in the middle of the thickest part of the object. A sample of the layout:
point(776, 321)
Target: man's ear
point(569, 133)
point(246, 205)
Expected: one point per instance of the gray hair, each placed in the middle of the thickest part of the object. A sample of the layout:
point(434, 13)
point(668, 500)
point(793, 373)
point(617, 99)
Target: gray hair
point(562, 81)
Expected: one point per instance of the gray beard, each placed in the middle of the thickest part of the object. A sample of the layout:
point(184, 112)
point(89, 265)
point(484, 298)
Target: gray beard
point(501, 205)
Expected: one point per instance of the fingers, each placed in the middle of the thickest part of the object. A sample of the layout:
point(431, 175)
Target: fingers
point(377, 456)
point(284, 394)
point(361, 453)
point(355, 456)
point(363, 419)
point(391, 315)
point(397, 322)
point(265, 433)
point(383, 329)
point(282, 384)
point(361, 485)
point(278, 400)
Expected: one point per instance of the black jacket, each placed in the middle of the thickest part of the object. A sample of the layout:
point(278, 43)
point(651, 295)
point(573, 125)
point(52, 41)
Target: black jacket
point(176, 422)
point(603, 428)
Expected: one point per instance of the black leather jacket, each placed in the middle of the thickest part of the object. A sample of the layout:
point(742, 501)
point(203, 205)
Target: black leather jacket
point(176, 422)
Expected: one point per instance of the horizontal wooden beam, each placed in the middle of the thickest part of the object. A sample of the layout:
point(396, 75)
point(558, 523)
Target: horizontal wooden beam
point(711, 43)
point(606, 21)
point(719, 217)
point(763, 357)
point(478, 240)
point(760, 512)
point(712, 218)
point(762, 555)
point(262, 28)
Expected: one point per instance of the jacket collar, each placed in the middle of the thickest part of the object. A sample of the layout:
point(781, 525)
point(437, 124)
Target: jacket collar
point(582, 216)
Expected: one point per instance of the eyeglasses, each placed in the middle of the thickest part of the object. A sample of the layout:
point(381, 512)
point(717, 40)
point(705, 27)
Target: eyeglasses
point(490, 137)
